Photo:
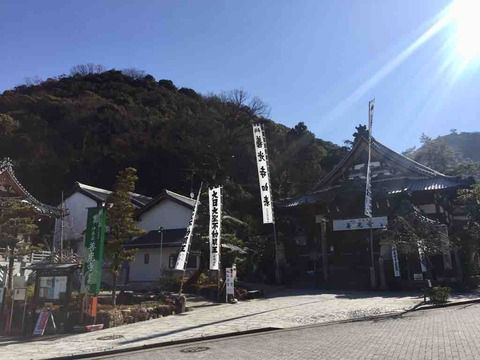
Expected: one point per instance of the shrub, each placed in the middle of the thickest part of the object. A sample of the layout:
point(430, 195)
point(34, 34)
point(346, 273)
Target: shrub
point(439, 294)
point(170, 282)
point(110, 318)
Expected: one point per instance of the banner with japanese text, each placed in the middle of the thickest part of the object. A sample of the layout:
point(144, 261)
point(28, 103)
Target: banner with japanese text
point(368, 185)
point(263, 173)
point(215, 228)
point(396, 262)
point(184, 249)
point(94, 248)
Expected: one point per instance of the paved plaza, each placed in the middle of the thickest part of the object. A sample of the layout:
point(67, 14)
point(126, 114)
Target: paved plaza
point(445, 333)
point(282, 311)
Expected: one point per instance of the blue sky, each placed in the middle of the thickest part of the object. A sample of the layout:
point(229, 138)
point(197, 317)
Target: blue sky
point(316, 61)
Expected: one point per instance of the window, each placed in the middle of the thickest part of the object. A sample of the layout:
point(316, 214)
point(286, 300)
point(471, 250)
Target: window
point(146, 258)
point(172, 259)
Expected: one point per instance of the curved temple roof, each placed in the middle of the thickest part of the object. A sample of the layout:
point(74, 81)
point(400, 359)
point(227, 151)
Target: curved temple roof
point(410, 175)
point(16, 190)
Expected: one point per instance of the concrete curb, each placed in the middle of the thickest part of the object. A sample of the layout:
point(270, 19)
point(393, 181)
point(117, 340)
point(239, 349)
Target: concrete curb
point(449, 304)
point(225, 335)
point(389, 315)
point(160, 344)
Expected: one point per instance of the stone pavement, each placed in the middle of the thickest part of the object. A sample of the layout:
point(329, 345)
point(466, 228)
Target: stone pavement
point(445, 333)
point(285, 310)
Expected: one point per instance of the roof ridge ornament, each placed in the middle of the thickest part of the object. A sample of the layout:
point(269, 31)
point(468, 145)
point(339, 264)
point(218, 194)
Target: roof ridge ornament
point(362, 131)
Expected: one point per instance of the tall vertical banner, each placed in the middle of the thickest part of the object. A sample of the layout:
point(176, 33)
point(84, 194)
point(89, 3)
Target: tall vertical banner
point(368, 186)
point(396, 263)
point(215, 228)
point(422, 257)
point(94, 248)
point(263, 172)
point(185, 248)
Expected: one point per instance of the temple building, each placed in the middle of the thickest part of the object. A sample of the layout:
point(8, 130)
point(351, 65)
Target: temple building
point(329, 242)
point(10, 187)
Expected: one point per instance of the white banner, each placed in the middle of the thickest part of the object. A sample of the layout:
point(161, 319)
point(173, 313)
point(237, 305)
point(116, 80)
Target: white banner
point(422, 257)
point(379, 222)
point(396, 263)
point(215, 228)
point(182, 255)
point(229, 282)
point(368, 186)
point(263, 173)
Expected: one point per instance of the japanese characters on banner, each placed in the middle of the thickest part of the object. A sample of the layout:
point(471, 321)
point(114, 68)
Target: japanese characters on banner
point(182, 255)
point(421, 256)
point(396, 263)
point(94, 248)
point(368, 186)
point(229, 282)
point(215, 228)
point(263, 173)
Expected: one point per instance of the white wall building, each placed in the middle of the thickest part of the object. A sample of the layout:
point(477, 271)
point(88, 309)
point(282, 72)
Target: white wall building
point(169, 211)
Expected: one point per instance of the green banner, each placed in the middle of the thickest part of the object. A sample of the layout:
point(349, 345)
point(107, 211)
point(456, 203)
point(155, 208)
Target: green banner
point(94, 245)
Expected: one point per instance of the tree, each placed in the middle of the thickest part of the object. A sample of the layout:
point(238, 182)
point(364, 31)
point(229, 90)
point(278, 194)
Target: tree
point(17, 225)
point(468, 235)
point(7, 124)
point(436, 154)
point(86, 69)
point(121, 223)
point(409, 230)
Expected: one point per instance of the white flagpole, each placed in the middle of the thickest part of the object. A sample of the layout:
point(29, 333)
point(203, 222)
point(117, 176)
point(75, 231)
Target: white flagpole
point(368, 192)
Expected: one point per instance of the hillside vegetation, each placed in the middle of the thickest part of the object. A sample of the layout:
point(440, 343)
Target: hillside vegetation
point(452, 154)
point(87, 126)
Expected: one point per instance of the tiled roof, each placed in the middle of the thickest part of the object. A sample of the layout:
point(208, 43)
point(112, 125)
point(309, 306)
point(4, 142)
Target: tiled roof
point(437, 183)
point(390, 187)
point(167, 194)
point(7, 167)
point(152, 239)
point(101, 195)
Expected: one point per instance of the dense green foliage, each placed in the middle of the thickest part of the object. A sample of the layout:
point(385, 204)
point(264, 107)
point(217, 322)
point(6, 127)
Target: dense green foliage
point(121, 224)
point(88, 126)
point(17, 225)
point(453, 154)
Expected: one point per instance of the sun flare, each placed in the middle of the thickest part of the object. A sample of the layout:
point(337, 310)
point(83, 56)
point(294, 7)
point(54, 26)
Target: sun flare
point(465, 16)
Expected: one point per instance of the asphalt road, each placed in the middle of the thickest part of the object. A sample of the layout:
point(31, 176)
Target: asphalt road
point(446, 333)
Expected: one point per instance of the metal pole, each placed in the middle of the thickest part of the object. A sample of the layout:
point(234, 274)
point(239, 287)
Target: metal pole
point(161, 250)
point(277, 269)
point(189, 245)
point(373, 280)
point(61, 229)
point(24, 312)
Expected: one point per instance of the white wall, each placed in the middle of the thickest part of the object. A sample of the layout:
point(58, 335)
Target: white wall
point(167, 214)
point(139, 271)
point(75, 223)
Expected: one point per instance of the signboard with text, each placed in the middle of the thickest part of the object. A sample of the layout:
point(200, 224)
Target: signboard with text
point(263, 173)
point(379, 222)
point(215, 228)
point(94, 247)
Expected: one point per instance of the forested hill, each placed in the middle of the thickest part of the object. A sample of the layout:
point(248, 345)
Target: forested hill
point(89, 125)
point(467, 144)
point(453, 154)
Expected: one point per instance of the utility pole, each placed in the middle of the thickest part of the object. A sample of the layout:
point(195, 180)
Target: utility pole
point(161, 250)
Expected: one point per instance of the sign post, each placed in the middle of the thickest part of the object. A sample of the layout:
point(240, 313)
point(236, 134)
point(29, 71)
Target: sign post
point(215, 226)
point(94, 248)
point(368, 192)
point(266, 199)
point(185, 249)
point(229, 283)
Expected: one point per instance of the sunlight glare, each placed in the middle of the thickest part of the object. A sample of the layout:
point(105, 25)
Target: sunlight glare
point(465, 15)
